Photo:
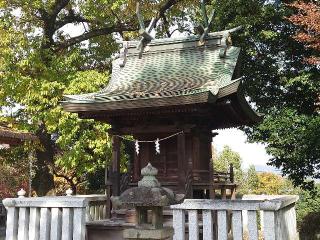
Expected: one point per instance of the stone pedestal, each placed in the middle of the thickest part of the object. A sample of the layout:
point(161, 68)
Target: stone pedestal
point(148, 234)
point(148, 197)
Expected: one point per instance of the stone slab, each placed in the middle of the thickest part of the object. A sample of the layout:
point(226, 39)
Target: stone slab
point(164, 233)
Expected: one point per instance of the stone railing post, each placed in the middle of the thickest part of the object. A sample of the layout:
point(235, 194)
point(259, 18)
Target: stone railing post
point(289, 222)
point(12, 220)
point(23, 222)
point(269, 225)
point(179, 224)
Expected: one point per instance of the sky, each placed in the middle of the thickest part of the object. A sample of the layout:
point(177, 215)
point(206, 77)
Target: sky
point(251, 153)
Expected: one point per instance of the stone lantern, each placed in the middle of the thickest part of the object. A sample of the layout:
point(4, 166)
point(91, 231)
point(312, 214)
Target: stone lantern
point(150, 197)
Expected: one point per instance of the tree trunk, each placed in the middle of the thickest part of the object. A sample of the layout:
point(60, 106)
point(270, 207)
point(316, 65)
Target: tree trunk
point(43, 181)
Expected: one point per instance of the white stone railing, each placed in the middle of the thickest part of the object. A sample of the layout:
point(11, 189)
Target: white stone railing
point(46, 218)
point(97, 207)
point(211, 218)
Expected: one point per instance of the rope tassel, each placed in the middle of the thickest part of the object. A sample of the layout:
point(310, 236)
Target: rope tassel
point(137, 147)
point(157, 144)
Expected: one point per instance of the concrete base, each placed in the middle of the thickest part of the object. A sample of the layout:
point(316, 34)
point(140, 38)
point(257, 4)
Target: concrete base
point(106, 230)
point(144, 234)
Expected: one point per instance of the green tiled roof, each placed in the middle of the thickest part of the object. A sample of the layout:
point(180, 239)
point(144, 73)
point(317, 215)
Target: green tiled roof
point(166, 69)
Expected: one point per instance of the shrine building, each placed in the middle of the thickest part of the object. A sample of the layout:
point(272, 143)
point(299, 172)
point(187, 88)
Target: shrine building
point(169, 95)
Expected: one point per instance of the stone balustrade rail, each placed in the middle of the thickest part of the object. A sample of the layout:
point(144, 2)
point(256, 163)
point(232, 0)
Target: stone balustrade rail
point(210, 218)
point(46, 218)
point(65, 217)
point(97, 207)
point(52, 217)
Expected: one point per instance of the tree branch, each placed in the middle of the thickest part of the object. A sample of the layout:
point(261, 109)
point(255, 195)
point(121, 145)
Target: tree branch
point(166, 25)
point(169, 4)
point(62, 176)
point(58, 6)
point(69, 19)
point(49, 19)
point(95, 33)
point(118, 27)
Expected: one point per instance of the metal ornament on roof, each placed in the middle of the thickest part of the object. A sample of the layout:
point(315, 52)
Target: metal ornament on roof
point(226, 41)
point(123, 54)
point(203, 30)
point(144, 33)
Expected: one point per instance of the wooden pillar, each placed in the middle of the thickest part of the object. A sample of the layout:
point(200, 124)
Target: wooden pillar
point(181, 162)
point(223, 193)
point(115, 167)
point(107, 186)
point(231, 173)
point(212, 190)
point(233, 188)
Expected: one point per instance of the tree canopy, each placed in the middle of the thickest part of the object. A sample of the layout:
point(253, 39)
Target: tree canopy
point(308, 19)
point(225, 158)
point(40, 60)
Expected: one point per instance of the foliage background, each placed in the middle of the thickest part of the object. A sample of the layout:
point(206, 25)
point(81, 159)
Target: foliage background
point(252, 182)
point(40, 61)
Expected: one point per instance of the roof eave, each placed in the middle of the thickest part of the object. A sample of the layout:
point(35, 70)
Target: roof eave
point(12, 137)
point(203, 97)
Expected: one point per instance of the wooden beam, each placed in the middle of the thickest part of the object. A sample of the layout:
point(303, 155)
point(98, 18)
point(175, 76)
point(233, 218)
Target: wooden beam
point(204, 13)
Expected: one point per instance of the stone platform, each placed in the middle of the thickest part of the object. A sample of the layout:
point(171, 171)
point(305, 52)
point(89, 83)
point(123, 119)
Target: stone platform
point(113, 229)
point(110, 230)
